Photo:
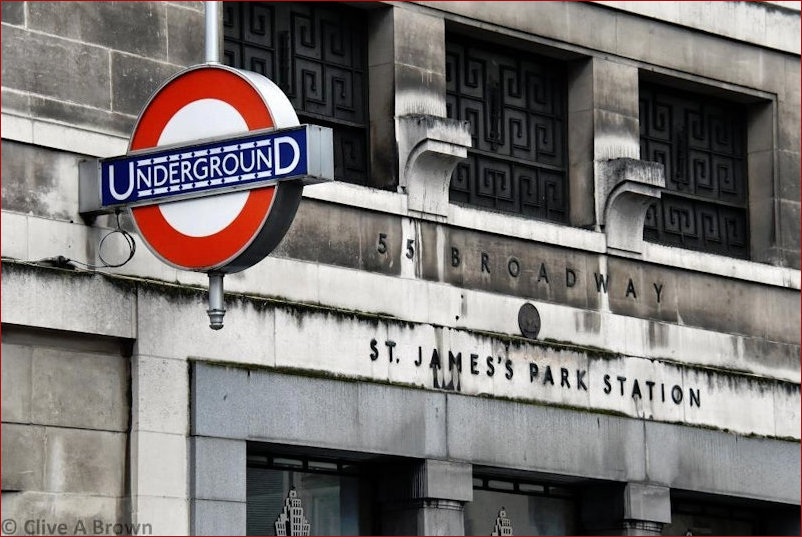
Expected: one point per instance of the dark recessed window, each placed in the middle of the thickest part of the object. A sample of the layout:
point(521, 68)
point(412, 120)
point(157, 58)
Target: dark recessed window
point(290, 495)
point(701, 141)
point(704, 518)
point(512, 507)
point(515, 103)
point(316, 53)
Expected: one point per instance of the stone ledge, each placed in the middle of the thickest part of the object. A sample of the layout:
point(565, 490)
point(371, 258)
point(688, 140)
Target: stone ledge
point(531, 437)
point(614, 332)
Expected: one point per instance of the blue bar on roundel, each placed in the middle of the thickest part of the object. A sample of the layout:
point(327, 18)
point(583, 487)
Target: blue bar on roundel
point(204, 169)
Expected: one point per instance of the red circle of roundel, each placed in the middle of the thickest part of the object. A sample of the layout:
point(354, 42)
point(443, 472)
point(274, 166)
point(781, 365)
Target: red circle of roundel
point(212, 250)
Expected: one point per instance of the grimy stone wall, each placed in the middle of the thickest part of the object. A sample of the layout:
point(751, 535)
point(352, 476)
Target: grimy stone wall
point(65, 419)
point(93, 64)
point(74, 74)
point(78, 70)
point(96, 368)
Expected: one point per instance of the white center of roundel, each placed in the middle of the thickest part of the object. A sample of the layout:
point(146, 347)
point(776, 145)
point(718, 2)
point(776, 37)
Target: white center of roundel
point(205, 118)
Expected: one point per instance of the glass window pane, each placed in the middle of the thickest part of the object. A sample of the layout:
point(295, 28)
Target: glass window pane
point(559, 491)
point(527, 515)
point(266, 490)
point(688, 524)
point(526, 487)
point(329, 503)
point(292, 463)
point(703, 518)
point(500, 485)
point(319, 465)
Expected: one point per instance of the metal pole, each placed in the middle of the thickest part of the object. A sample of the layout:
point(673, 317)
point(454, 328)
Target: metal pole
point(212, 32)
point(217, 307)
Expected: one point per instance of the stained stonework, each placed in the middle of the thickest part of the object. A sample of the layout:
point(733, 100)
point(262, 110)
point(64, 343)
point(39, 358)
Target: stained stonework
point(383, 332)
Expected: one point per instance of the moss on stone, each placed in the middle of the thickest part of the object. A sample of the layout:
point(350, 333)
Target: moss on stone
point(298, 310)
point(339, 377)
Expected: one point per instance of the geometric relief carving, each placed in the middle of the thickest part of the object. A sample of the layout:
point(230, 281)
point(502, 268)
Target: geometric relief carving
point(291, 520)
point(317, 56)
point(698, 225)
point(701, 143)
point(503, 524)
point(515, 104)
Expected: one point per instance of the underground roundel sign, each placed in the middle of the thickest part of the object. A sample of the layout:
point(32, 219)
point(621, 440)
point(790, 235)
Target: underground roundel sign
point(215, 169)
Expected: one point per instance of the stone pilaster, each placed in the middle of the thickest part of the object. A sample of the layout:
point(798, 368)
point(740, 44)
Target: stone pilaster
point(631, 509)
point(427, 498)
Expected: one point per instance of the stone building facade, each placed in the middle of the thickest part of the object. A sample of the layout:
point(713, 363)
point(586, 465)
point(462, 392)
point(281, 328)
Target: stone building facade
point(555, 288)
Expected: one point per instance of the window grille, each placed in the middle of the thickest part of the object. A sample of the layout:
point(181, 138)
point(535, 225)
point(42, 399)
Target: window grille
point(701, 142)
point(515, 103)
point(316, 53)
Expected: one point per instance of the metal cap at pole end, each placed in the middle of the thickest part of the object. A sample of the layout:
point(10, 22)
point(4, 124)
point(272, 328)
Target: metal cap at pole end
point(217, 308)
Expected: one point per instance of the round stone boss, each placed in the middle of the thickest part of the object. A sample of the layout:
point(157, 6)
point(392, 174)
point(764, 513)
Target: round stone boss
point(529, 321)
point(228, 232)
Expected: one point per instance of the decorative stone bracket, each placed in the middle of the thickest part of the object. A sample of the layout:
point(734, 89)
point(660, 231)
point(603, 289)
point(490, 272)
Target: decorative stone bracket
point(429, 148)
point(628, 187)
